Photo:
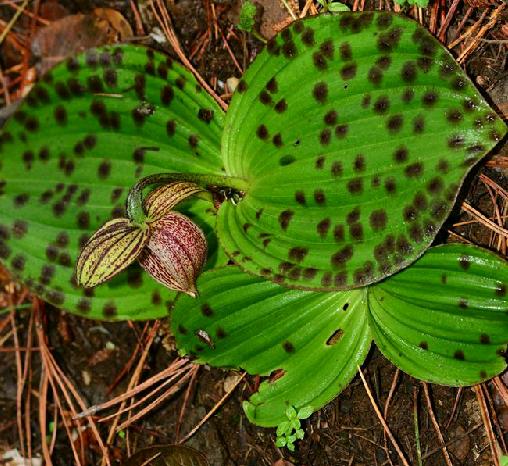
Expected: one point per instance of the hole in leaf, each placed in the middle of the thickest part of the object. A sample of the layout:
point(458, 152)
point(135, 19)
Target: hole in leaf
point(205, 338)
point(276, 375)
point(335, 337)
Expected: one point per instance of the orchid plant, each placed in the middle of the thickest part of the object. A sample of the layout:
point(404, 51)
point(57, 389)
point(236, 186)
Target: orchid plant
point(339, 159)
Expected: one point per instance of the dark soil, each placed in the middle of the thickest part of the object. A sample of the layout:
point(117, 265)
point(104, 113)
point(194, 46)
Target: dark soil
point(347, 430)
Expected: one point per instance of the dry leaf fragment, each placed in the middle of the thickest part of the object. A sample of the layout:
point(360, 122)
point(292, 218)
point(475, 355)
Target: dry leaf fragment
point(75, 33)
point(480, 3)
point(113, 23)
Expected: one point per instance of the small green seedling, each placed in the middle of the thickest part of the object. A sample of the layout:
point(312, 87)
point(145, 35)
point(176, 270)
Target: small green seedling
point(247, 20)
point(419, 3)
point(339, 159)
point(247, 16)
point(331, 6)
point(289, 431)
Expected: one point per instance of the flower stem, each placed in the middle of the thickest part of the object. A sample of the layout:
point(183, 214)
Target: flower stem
point(135, 209)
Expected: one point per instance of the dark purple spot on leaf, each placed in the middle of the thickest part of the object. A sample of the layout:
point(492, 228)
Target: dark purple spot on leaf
point(414, 170)
point(355, 186)
point(284, 219)
point(298, 253)
point(300, 197)
point(320, 92)
point(342, 256)
point(378, 219)
point(336, 169)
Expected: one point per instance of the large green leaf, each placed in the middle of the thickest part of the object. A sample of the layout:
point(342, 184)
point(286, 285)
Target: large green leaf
point(445, 318)
point(310, 343)
point(83, 136)
point(353, 133)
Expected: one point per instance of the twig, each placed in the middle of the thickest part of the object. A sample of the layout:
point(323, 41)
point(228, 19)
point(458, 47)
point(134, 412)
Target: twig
point(3, 324)
point(56, 375)
point(471, 222)
point(495, 41)
point(140, 31)
point(190, 388)
point(434, 10)
point(156, 402)
point(135, 404)
point(488, 223)
point(489, 182)
point(501, 387)
point(449, 16)
point(381, 419)
point(387, 405)
point(128, 365)
point(215, 22)
point(367, 439)
point(494, 448)
point(417, 429)
point(455, 405)
point(28, 13)
point(499, 161)
point(55, 430)
point(49, 369)
point(21, 348)
point(392, 390)
point(43, 396)
point(143, 341)
point(470, 31)
point(5, 89)
point(67, 387)
point(27, 374)
point(499, 219)
point(19, 386)
point(476, 40)
point(436, 425)
point(212, 411)
point(308, 4)
point(456, 235)
point(455, 439)
point(494, 418)
point(230, 52)
point(12, 22)
point(290, 10)
point(124, 396)
point(165, 22)
point(136, 376)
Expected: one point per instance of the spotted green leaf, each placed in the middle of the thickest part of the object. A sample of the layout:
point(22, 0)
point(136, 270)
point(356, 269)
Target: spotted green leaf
point(444, 319)
point(354, 133)
point(86, 133)
point(308, 344)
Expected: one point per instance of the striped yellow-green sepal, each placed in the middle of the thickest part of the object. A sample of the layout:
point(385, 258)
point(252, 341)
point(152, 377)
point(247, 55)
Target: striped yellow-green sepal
point(163, 199)
point(109, 251)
